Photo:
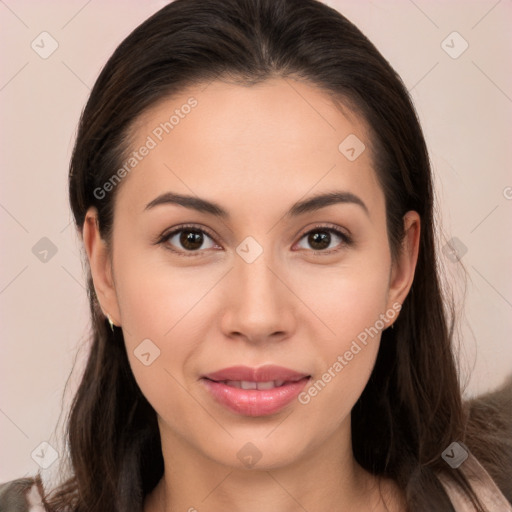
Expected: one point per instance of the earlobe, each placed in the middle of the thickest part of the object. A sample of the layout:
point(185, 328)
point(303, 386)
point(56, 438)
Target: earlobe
point(98, 254)
point(403, 268)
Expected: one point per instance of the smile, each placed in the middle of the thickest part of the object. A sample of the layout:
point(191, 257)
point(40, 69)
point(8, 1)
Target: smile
point(255, 392)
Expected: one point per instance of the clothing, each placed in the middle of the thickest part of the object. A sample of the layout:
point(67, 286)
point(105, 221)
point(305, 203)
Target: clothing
point(23, 495)
point(483, 485)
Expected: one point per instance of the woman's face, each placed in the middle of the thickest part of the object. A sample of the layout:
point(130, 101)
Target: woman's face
point(267, 276)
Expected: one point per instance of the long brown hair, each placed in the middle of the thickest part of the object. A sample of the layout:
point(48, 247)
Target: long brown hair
point(411, 409)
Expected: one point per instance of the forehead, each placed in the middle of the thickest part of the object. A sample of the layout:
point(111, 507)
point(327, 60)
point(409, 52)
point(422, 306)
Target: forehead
point(278, 138)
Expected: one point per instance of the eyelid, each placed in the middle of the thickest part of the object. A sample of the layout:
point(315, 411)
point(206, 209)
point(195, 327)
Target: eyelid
point(166, 235)
point(332, 228)
point(326, 226)
point(343, 233)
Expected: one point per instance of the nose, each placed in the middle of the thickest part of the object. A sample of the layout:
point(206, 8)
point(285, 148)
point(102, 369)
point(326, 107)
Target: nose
point(259, 305)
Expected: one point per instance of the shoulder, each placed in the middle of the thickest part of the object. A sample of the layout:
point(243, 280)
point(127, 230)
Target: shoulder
point(488, 443)
point(489, 434)
point(484, 487)
point(22, 495)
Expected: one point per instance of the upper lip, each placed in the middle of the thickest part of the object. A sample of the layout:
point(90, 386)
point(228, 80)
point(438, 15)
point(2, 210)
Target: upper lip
point(261, 374)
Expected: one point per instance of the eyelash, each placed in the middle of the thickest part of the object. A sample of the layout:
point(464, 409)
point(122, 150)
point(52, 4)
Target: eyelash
point(346, 240)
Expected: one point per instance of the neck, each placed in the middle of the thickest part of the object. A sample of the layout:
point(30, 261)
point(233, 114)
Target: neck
point(324, 478)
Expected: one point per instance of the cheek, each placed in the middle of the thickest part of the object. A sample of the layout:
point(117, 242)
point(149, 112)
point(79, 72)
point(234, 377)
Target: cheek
point(154, 306)
point(350, 303)
point(155, 297)
point(165, 312)
point(348, 298)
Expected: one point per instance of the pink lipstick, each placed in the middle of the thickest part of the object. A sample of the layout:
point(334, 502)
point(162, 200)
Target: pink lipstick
point(255, 391)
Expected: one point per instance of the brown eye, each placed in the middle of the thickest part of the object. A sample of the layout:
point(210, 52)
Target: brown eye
point(323, 238)
point(188, 240)
point(319, 240)
point(191, 240)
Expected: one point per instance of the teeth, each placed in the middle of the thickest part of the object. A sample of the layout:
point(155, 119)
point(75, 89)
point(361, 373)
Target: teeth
point(245, 384)
point(234, 383)
point(267, 385)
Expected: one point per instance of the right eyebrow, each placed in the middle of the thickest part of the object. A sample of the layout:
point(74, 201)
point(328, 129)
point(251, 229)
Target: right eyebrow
point(193, 202)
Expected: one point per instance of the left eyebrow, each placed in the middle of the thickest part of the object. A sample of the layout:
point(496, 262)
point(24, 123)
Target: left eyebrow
point(322, 200)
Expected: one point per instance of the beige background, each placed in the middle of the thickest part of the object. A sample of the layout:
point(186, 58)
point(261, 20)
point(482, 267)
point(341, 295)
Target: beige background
point(465, 106)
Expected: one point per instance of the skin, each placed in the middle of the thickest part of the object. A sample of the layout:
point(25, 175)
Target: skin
point(255, 151)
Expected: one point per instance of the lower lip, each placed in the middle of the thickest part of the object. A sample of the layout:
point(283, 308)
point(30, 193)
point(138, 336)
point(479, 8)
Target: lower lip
point(255, 402)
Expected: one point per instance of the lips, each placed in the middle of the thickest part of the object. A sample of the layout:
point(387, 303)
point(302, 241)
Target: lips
point(266, 373)
point(247, 384)
point(255, 391)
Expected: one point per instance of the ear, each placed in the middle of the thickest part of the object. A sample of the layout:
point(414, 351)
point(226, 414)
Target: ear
point(402, 269)
point(100, 263)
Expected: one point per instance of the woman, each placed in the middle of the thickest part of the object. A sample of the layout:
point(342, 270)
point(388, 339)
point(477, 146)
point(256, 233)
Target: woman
point(254, 196)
